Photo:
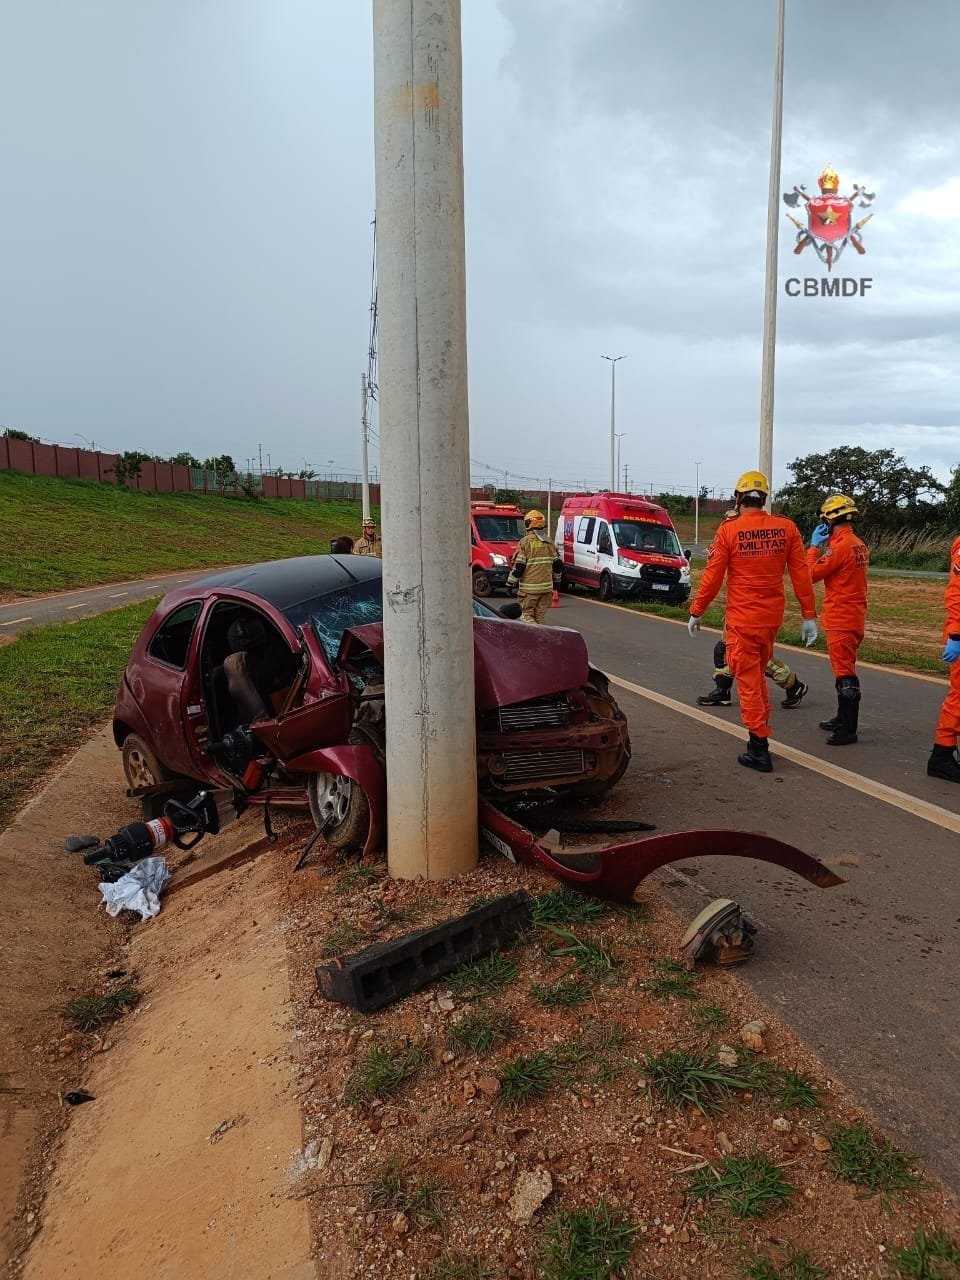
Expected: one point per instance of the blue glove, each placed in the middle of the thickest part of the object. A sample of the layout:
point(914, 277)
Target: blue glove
point(951, 651)
point(820, 535)
point(808, 631)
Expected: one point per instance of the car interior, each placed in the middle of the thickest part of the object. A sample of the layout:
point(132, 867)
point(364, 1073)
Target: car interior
point(275, 674)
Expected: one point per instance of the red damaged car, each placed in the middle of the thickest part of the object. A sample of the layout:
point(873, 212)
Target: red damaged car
point(271, 676)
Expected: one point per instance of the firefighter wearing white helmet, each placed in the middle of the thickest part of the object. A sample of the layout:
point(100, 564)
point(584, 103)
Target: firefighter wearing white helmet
point(534, 569)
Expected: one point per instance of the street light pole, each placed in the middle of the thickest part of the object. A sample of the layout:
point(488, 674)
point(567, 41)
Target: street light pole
point(430, 699)
point(696, 507)
point(620, 435)
point(770, 286)
point(613, 418)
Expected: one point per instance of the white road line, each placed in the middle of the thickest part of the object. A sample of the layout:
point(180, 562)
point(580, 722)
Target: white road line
point(855, 781)
point(76, 606)
point(13, 621)
point(117, 594)
point(794, 648)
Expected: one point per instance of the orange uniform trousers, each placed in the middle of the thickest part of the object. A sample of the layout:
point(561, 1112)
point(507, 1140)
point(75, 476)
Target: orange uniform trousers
point(948, 726)
point(842, 649)
point(748, 652)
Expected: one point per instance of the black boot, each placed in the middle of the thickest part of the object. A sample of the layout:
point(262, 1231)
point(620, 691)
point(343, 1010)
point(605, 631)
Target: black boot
point(943, 763)
point(848, 712)
point(757, 755)
point(720, 696)
point(795, 694)
point(834, 723)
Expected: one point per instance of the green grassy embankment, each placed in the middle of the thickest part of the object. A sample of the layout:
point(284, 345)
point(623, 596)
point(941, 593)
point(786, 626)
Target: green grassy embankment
point(58, 683)
point(58, 534)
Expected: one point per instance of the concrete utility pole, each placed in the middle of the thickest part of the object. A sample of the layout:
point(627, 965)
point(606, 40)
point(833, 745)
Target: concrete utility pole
point(696, 508)
point(770, 287)
point(613, 418)
point(365, 436)
point(424, 445)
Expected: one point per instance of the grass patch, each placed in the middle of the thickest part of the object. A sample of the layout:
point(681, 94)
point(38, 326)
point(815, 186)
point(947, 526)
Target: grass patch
point(359, 876)
point(671, 981)
point(86, 1013)
point(566, 906)
point(874, 1165)
point(485, 977)
point(590, 1244)
point(58, 534)
point(789, 1089)
point(681, 1078)
point(58, 682)
point(927, 1258)
point(423, 1202)
point(479, 1031)
point(796, 1266)
point(589, 959)
point(340, 940)
point(462, 1266)
point(708, 1018)
point(530, 1075)
point(567, 993)
point(743, 1187)
point(381, 1074)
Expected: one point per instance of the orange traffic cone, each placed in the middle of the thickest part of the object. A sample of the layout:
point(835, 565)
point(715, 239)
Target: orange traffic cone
point(555, 602)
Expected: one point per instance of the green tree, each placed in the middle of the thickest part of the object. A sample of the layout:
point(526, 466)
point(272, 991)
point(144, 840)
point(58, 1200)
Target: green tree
point(127, 465)
point(888, 493)
point(184, 460)
point(14, 433)
point(224, 468)
point(677, 504)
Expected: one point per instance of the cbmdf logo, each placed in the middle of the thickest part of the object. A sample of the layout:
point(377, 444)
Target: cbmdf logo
point(829, 228)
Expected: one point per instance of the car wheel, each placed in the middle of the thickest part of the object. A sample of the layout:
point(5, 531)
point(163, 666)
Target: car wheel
point(141, 768)
point(606, 587)
point(331, 795)
point(482, 585)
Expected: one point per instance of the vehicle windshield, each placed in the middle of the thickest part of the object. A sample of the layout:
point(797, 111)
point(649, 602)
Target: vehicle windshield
point(499, 528)
point(634, 535)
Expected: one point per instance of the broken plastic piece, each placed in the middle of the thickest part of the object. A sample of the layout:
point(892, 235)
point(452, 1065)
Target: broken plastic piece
point(721, 934)
point(76, 844)
point(77, 1096)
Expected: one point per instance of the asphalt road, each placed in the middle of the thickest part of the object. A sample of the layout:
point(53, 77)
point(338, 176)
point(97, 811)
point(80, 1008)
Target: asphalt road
point(868, 973)
point(67, 606)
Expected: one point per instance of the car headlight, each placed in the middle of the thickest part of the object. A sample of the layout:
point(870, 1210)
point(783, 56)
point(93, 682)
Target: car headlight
point(624, 562)
point(497, 560)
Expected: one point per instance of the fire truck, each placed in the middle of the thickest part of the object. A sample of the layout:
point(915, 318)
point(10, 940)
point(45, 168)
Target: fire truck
point(620, 545)
point(495, 530)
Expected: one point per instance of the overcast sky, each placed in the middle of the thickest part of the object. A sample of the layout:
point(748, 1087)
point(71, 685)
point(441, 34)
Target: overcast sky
point(188, 190)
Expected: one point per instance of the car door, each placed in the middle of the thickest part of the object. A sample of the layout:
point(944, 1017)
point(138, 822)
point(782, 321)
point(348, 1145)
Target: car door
point(584, 554)
point(604, 559)
point(169, 657)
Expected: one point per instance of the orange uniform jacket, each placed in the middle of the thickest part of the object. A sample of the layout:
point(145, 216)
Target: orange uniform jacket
point(951, 598)
point(753, 550)
point(842, 566)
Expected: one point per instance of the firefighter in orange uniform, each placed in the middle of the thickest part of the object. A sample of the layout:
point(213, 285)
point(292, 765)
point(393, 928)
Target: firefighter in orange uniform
point(751, 552)
point(943, 758)
point(839, 560)
point(535, 566)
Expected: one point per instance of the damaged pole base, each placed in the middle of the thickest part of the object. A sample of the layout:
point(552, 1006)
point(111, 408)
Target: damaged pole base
point(721, 934)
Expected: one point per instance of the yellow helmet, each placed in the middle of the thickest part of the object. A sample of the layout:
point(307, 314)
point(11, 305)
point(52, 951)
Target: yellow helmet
point(752, 482)
point(837, 505)
point(535, 520)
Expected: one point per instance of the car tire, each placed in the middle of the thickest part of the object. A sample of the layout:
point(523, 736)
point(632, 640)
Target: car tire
point(482, 586)
point(345, 798)
point(141, 768)
point(606, 587)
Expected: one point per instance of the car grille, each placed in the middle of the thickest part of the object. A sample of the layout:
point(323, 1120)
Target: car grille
point(544, 713)
point(533, 766)
point(659, 573)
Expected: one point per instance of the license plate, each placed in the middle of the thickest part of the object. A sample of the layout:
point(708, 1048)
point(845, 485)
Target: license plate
point(660, 586)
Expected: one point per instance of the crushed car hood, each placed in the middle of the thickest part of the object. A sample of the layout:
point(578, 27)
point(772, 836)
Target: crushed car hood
point(514, 661)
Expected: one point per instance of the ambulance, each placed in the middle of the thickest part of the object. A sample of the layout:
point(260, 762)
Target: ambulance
point(495, 530)
point(620, 545)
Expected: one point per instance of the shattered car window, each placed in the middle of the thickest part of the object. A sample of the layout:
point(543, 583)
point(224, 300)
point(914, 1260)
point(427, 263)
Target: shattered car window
point(355, 606)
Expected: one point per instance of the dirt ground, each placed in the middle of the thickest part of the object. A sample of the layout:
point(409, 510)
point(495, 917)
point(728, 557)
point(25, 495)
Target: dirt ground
point(221, 1144)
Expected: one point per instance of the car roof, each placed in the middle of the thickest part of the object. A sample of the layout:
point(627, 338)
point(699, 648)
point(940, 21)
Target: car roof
point(287, 583)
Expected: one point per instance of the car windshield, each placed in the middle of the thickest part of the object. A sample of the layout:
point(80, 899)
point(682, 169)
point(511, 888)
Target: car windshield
point(499, 528)
point(637, 536)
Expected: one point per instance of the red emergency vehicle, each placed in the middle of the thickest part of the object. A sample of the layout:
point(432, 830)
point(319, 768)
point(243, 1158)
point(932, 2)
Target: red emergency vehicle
point(495, 530)
point(619, 544)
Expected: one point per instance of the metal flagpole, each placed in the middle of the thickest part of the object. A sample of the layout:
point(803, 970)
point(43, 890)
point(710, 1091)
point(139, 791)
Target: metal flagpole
point(770, 288)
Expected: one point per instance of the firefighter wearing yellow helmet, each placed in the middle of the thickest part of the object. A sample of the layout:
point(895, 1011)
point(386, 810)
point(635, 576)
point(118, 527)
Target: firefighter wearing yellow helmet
point(535, 568)
point(839, 560)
